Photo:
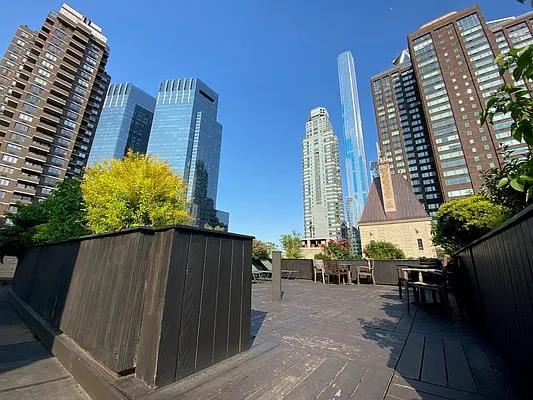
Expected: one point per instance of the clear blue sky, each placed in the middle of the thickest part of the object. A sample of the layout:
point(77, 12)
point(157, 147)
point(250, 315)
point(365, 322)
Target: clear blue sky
point(271, 61)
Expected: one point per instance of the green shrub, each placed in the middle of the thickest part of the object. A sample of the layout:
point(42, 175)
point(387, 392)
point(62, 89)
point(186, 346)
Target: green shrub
point(382, 250)
point(460, 222)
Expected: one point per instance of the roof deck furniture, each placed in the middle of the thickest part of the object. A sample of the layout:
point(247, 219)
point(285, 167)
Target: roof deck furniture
point(438, 284)
point(340, 270)
point(285, 273)
point(429, 263)
point(345, 269)
point(318, 268)
point(366, 270)
point(260, 275)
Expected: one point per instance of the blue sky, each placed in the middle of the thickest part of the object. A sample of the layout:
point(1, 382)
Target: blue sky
point(271, 61)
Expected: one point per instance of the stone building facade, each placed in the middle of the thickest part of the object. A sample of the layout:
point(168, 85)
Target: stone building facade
point(393, 214)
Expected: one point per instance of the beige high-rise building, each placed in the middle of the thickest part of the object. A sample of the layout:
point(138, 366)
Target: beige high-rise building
point(322, 185)
point(52, 88)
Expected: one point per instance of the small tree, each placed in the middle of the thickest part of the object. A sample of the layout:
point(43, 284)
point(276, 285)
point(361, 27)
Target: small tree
point(292, 243)
point(65, 214)
point(59, 217)
point(516, 100)
point(336, 250)
point(382, 250)
point(503, 194)
point(460, 222)
point(139, 190)
point(260, 250)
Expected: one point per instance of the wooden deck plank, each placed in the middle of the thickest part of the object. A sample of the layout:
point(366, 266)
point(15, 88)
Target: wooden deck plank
point(459, 375)
point(433, 364)
point(486, 379)
point(279, 387)
point(411, 358)
point(373, 385)
point(405, 388)
point(344, 383)
point(335, 342)
point(246, 383)
point(315, 382)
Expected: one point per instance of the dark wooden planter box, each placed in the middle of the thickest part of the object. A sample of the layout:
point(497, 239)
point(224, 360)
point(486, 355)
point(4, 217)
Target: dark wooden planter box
point(160, 303)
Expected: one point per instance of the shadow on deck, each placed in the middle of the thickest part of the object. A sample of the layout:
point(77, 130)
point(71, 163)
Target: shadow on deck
point(27, 369)
point(349, 342)
point(321, 342)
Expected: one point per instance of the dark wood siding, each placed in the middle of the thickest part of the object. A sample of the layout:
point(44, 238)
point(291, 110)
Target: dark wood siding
point(163, 303)
point(496, 275)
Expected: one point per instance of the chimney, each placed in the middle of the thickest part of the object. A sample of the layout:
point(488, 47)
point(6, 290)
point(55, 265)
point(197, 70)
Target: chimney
point(387, 191)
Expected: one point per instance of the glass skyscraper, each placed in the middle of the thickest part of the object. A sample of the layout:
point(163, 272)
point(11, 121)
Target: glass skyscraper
point(185, 132)
point(355, 159)
point(124, 124)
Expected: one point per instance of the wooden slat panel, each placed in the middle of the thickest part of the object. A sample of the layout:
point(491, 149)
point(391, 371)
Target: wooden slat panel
point(246, 297)
point(223, 293)
point(152, 301)
point(152, 314)
point(65, 270)
point(234, 328)
point(206, 335)
point(190, 314)
point(23, 279)
point(132, 318)
point(173, 304)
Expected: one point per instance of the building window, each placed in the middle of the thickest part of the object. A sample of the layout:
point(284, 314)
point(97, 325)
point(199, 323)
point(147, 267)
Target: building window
point(420, 244)
point(9, 159)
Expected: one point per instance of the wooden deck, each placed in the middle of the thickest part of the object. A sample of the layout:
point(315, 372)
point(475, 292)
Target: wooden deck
point(349, 342)
point(321, 342)
point(27, 369)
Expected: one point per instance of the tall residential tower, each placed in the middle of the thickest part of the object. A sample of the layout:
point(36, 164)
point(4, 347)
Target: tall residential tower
point(322, 186)
point(402, 131)
point(453, 59)
point(356, 167)
point(52, 88)
point(185, 132)
point(428, 104)
point(124, 124)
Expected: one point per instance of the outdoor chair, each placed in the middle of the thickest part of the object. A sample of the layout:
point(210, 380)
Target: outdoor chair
point(342, 273)
point(284, 272)
point(366, 270)
point(258, 275)
point(319, 268)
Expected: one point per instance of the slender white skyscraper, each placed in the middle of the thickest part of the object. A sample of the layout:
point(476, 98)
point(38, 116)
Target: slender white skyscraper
point(322, 185)
point(356, 167)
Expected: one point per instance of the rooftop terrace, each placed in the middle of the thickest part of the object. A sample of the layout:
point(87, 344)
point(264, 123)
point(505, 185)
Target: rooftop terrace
point(321, 342)
point(350, 342)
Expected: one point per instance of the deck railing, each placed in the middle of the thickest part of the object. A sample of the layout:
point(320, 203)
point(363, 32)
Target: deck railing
point(496, 280)
point(385, 270)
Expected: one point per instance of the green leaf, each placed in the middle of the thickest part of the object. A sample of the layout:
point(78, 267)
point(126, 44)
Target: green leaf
point(526, 178)
point(503, 182)
point(516, 185)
